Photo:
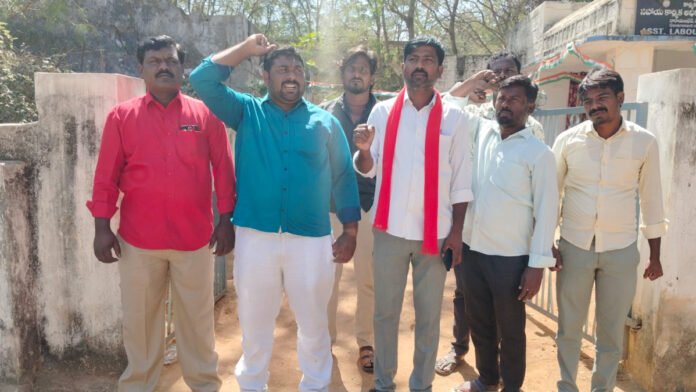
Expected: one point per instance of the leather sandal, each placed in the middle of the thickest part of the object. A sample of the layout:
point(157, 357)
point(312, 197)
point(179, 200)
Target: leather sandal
point(366, 359)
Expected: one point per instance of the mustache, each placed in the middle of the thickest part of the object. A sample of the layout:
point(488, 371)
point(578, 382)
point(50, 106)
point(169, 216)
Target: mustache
point(171, 75)
point(421, 71)
point(593, 111)
point(504, 110)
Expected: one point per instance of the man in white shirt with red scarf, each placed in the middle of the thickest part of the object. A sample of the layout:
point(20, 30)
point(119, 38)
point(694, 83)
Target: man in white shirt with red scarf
point(419, 148)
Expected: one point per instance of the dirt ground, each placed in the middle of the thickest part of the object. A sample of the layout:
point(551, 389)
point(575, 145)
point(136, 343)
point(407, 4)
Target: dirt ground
point(542, 369)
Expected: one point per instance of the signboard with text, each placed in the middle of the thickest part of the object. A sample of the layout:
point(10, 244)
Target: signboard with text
point(666, 17)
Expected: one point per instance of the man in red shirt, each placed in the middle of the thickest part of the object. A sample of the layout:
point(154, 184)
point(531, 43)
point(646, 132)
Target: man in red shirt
point(158, 149)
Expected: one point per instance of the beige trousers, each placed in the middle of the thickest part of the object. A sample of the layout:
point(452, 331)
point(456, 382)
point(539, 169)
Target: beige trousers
point(362, 263)
point(144, 278)
point(612, 274)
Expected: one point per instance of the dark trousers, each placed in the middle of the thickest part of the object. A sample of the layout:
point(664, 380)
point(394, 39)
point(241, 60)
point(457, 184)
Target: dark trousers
point(460, 329)
point(496, 317)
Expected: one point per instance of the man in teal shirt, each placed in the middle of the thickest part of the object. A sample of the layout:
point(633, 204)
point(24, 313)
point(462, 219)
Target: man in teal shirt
point(291, 157)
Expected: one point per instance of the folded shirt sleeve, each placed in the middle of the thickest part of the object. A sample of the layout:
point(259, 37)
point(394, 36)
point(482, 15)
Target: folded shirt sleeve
point(110, 163)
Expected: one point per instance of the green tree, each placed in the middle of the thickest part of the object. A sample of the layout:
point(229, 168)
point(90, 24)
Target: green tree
point(17, 69)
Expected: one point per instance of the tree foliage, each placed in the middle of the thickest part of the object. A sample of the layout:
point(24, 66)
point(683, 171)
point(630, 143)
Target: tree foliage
point(17, 69)
point(464, 26)
point(64, 34)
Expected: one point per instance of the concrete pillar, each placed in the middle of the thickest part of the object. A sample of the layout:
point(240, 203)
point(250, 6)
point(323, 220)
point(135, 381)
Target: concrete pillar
point(631, 61)
point(19, 337)
point(662, 352)
point(78, 297)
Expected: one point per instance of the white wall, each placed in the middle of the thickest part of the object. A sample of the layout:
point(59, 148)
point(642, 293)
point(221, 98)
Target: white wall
point(662, 353)
point(56, 299)
point(632, 61)
point(79, 298)
point(19, 342)
point(671, 59)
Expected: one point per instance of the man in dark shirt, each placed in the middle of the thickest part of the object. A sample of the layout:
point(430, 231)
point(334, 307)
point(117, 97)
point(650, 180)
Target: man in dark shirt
point(353, 107)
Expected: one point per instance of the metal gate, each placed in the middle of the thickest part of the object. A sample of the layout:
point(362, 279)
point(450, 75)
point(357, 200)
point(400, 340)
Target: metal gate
point(556, 121)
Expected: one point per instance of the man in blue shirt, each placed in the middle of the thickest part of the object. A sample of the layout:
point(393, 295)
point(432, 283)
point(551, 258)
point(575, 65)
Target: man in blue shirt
point(291, 157)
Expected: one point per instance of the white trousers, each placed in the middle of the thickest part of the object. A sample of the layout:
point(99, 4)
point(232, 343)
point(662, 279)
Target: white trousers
point(266, 264)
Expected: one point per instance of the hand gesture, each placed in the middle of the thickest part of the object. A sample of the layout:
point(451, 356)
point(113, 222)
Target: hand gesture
point(454, 242)
point(363, 136)
point(530, 283)
point(476, 85)
point(559, 260)
point(258, 45)
point(344, 247)
point(654, 270)
point(104, 241)
point(223, 237)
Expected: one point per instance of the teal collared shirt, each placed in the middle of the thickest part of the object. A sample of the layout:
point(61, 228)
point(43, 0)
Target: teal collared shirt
point(288, 164)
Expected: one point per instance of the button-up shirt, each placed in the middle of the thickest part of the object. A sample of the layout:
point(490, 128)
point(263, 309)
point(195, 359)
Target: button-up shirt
point(516, 196)
point(288, 163)
point(160, 158)
point(454, 179)
point(337, 107)
point(599, 180)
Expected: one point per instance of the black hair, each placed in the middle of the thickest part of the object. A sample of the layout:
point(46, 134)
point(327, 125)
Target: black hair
point(354, 53)
point(287, 51)
point(157, 43)
point(601, 78)
point(504, 55)
point(425, 41)
point(531, 90)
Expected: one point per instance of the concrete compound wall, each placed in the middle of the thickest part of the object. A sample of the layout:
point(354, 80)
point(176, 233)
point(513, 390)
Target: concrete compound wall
point(19, 338)
point(662, 353)
point(70, 301)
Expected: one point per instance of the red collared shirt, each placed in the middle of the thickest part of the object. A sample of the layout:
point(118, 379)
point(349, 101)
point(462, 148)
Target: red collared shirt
point(161, 159)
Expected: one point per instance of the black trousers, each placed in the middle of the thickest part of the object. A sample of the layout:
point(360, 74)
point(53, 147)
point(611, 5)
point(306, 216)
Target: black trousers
point(460, 329)
point(496, 317)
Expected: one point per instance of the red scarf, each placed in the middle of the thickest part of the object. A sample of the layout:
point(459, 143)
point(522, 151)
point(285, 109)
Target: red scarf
point(432, 152)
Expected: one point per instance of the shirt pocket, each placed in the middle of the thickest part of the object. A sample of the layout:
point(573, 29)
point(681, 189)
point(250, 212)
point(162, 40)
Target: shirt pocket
point(513, 178)
point(191, 146)
point(624, 171)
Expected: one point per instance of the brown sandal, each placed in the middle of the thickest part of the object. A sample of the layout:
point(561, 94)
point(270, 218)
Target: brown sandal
point(366, 359)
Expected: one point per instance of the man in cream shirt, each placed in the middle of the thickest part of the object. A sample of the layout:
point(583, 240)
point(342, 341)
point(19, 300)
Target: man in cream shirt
point(602, 164)
point(508, 235)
